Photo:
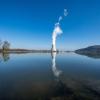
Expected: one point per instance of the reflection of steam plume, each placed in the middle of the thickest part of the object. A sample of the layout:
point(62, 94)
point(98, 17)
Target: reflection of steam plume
point(57, 31)
point(54, 68)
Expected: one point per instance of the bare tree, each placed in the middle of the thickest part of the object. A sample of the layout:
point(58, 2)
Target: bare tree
point(6, 46)
point(0, 44)
point(0, 50)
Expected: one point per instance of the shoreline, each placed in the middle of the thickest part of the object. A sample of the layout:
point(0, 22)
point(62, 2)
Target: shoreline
point(30, 51)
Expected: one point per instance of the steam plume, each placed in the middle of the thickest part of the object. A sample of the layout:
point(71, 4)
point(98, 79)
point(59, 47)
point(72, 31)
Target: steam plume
point(57, 30)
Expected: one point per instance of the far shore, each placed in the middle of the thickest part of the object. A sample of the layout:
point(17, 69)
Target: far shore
point(23, 51)
point(28, 51)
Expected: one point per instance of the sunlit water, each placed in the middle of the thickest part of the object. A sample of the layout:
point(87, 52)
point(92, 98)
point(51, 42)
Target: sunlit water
point(45, 76)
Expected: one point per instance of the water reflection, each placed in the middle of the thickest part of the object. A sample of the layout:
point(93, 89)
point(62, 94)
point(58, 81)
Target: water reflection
point(4, 57)
point(31, 79)
point(91, 55)
point(59, 89)
point(55, 70)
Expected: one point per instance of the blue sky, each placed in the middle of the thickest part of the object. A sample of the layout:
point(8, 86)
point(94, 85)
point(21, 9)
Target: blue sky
point(30, 23)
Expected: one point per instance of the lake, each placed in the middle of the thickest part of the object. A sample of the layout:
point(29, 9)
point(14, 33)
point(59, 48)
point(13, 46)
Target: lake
point(46, 76)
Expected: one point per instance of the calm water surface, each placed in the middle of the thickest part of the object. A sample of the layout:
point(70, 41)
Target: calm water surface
point(45, 76)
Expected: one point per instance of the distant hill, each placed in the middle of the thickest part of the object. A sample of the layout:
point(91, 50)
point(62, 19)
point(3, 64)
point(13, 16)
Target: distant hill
point(91, 51)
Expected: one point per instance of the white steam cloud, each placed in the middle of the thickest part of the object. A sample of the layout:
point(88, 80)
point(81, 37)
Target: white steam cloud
point(57, 30)
point(65, 12)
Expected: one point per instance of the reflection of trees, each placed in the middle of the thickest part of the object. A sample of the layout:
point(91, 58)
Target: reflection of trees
point(4, 57)
point(0, 57)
